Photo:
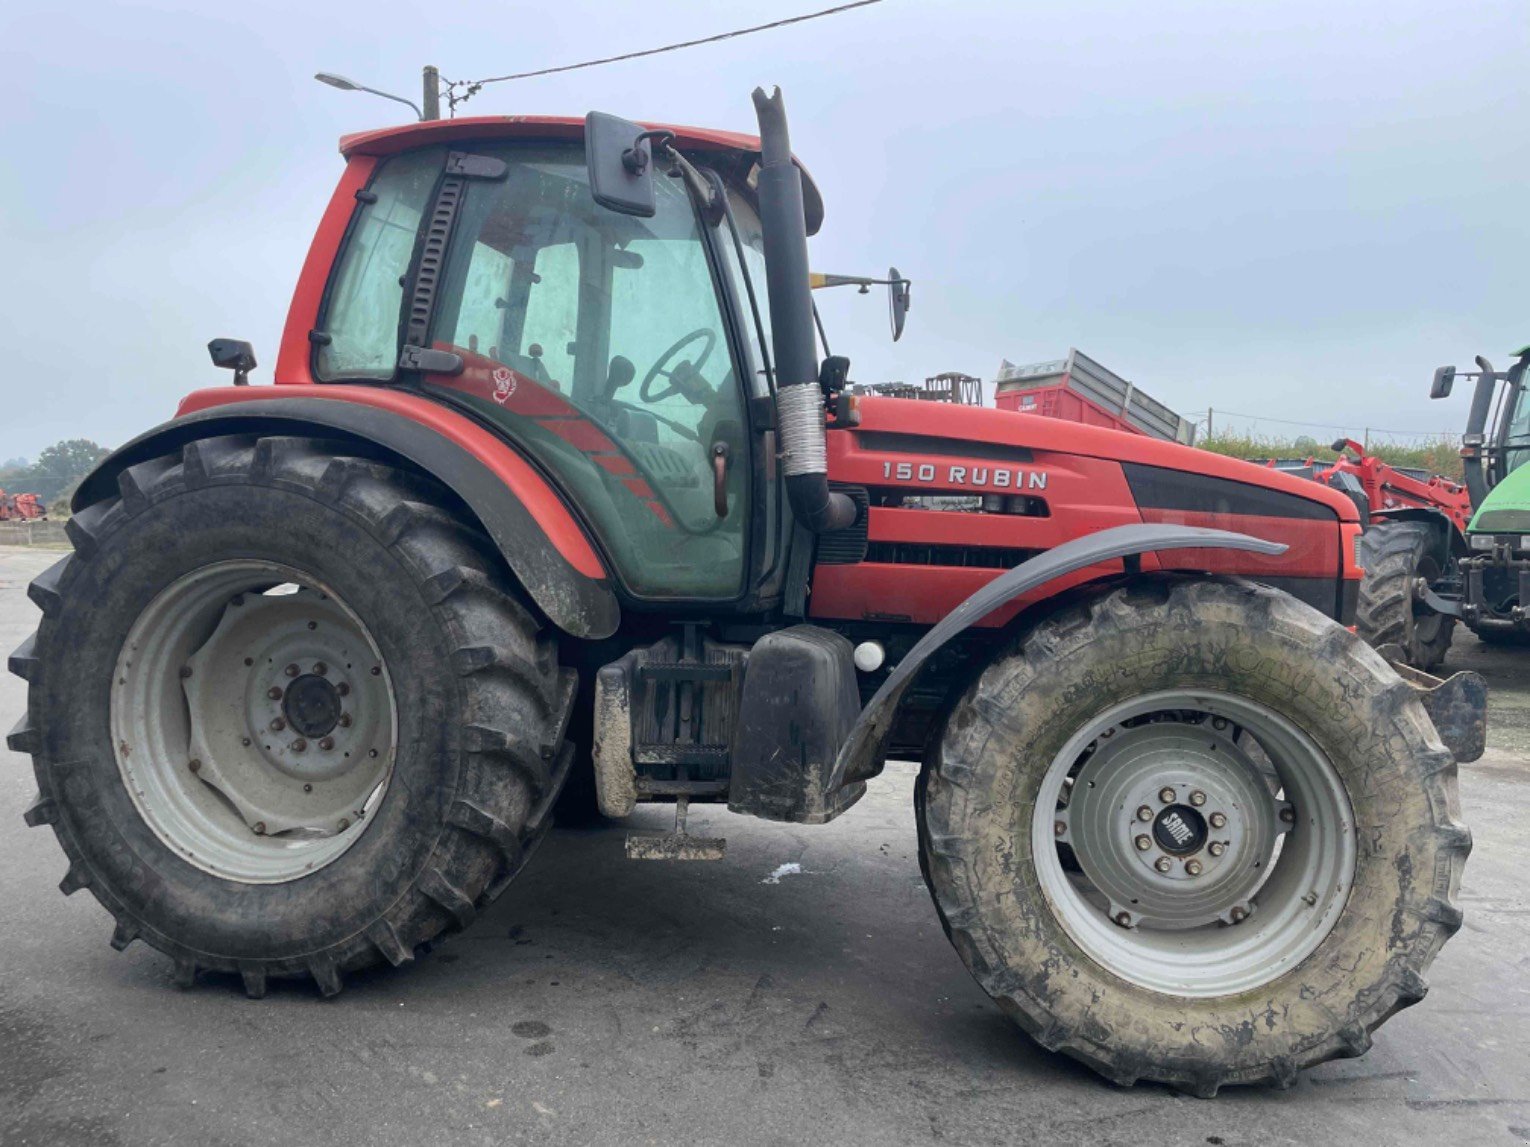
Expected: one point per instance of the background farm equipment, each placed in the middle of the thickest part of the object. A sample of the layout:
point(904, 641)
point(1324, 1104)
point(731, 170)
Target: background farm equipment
point(1079, 389)
point(1493, 594)
point(1415, 535)
point(21, 508)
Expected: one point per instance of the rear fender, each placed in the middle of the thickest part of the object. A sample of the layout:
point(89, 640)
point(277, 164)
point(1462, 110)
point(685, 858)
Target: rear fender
point(540, 539)
point(864, 750)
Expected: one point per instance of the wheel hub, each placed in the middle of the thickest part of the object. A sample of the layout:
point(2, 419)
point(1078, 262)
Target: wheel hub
point(254, 721)
point(1179, 830)
point(1173, 823)
point(311, 705)
point(1196, 843)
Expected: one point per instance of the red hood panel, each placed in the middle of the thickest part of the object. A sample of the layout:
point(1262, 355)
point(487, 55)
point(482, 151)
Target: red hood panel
point(1002, 427)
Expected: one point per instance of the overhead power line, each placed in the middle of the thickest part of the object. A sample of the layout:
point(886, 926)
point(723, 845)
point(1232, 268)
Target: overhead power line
point(460, 91)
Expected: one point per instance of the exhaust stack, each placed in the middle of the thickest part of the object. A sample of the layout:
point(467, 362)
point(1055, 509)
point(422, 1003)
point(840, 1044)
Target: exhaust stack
point(799, 398)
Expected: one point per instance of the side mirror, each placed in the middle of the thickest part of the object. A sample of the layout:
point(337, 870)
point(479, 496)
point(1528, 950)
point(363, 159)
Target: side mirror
point(1444, 379)
point(619, 160)
point(897, 295)
point(235, 355)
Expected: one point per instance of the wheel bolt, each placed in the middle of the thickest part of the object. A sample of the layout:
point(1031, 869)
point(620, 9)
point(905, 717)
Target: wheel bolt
point(326, 743)
point(1193, 867)
point(245, 741)
point(1288, 815)
point(1197, 798)
point(1059, 827)
point(1144, 813)
point(260, 828)
point(1162, 864)
point(277, 724)
point(1219, 723)
point(343, 689)
point(377, 671)
point(299, 745)
point(275, 693)
point(248, 661)
point(1216, 848)
point(345, 720)
point(195, 766)
point(1238, 915)
point(320, 668)
point(1143, 843)
point(343, 825)
point(1166, 795)
point(308, 788)
point(291, 671)
point(1123, 918)
point(1218, 820)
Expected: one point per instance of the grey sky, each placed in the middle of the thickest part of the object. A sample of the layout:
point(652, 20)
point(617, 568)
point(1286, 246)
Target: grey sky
point(1296, 209)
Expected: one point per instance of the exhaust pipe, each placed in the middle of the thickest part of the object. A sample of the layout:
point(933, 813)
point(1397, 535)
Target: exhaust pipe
point(1473, 442)
point(799, 398)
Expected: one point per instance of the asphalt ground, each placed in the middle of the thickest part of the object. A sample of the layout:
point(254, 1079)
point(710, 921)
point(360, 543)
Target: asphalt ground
point(603, 1000)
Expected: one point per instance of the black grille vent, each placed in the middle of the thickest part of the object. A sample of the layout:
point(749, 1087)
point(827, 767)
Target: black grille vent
point(848, 546)
point(965, 557)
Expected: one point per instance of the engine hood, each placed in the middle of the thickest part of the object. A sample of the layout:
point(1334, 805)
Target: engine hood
point(1506, 509)
point(956, 424)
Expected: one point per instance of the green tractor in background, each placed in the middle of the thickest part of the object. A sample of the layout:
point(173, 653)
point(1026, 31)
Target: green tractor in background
point(1495, 576)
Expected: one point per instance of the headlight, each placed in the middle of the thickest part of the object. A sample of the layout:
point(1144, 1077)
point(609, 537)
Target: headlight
point(1482, 541)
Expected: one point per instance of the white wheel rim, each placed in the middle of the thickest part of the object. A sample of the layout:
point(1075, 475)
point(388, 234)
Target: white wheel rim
point(1234, 926)
point(253, 721)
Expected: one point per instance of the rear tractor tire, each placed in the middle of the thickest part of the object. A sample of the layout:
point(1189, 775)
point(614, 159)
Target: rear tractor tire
point(1193, 831)
point(288, 715)
point(1395, 555)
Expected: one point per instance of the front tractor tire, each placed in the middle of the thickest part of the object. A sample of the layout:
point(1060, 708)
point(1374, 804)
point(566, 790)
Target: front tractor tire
point(1395, 555)
point(288, 715)
point(1193, 831)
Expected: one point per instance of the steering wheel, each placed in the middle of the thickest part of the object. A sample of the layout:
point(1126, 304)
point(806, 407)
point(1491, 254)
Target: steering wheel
point(657, 371)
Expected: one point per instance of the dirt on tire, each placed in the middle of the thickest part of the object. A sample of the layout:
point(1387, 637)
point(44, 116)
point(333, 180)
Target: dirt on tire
point(482, 707)
point(977, 796)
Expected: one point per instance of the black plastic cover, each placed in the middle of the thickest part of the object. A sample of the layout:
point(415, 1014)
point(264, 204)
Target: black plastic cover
point(799, 705)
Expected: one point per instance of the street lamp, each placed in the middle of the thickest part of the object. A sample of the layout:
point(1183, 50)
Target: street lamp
point(346, 85)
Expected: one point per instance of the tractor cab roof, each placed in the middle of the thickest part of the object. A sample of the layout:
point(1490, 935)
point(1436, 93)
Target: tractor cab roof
point(744, 150)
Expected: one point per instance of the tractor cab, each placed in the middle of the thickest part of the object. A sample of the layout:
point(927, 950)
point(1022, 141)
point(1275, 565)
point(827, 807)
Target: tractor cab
point(621, 353)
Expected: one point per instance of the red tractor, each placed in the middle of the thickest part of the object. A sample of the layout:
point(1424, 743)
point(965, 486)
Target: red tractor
point(1415, 532)
point(554, 483)
point(21, 508)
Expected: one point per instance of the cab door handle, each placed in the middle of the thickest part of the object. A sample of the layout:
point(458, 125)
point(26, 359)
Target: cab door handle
point(720, 478)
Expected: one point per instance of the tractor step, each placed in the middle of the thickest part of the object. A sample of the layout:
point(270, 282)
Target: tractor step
point(677, 845)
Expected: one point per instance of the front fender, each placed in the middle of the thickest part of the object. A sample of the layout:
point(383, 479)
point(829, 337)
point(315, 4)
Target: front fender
point(864, 750)
point(540, 539)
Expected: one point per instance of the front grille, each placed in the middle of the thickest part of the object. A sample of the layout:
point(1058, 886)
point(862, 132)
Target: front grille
point(964, 557)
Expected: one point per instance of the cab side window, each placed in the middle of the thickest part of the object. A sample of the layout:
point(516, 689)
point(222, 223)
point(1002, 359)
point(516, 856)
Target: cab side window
point(362, 310)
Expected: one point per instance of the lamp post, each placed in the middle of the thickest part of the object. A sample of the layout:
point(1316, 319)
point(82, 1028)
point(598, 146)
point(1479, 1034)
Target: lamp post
point(346, 85)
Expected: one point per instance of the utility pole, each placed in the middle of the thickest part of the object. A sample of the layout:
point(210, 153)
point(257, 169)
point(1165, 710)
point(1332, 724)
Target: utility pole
point(432, 102)
point(1210, 429)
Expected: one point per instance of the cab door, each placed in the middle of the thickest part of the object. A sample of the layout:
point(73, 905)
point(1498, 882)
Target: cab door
point(599, 343)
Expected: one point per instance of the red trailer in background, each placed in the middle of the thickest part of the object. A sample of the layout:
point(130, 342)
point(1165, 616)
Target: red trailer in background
point(1078, 389)
point(21, 507)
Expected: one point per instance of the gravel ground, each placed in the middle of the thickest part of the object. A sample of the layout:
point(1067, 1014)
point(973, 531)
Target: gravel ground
point(608, 1001)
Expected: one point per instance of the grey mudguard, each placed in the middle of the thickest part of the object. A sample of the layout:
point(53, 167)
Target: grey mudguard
point(867, 743)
